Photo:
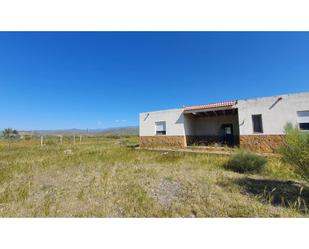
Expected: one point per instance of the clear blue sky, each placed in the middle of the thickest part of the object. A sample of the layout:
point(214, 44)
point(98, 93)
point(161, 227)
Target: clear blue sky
point(104, 79)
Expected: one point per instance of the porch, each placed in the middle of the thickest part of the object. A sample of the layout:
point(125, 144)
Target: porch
point(212, 125)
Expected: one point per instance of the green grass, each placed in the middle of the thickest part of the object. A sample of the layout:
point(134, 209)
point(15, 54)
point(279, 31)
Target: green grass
point(107, 177)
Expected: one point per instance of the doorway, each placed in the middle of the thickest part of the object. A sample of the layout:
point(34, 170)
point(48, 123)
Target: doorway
point(227, 134)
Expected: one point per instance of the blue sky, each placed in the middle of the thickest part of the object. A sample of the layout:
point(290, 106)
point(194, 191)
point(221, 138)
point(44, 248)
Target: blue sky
point(104, 79)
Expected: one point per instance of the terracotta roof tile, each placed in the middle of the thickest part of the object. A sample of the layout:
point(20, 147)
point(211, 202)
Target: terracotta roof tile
point(209, 106)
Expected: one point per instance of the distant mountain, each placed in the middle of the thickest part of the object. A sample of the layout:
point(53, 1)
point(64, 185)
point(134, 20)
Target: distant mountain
point(130, 130)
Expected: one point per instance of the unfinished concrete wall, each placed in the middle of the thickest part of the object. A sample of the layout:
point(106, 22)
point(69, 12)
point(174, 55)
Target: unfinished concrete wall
point(275, 112)
point(175, 131)
point(189, 125)
point(212, 125)
point(208, 130)
point(174, 122)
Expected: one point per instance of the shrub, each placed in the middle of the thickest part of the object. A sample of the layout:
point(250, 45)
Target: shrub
point(50, 142)
point(295, 150)
point(112, 136)
point(27, 137)
point(10, 134)
point(246, 162)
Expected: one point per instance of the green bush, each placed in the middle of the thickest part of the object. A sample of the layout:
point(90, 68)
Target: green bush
point(246, 162)
point(27, 137)
point(295, 150)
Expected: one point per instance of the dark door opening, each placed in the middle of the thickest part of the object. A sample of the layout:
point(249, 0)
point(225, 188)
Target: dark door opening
point(228, 134)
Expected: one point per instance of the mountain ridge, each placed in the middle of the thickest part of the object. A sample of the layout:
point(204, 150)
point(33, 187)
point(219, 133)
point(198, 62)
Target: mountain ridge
point(129, 130)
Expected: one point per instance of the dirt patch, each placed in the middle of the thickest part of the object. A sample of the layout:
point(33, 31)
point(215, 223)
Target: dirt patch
point(165, 192)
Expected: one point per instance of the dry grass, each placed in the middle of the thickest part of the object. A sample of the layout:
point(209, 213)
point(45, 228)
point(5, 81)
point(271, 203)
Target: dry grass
point(105, 177)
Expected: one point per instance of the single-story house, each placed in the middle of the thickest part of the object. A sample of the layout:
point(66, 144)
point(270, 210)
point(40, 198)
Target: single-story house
point(256, 124)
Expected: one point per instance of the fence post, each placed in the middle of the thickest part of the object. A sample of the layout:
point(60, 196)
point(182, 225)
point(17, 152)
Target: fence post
point(60, 138)
point(74, 139)
point(42, 140)
point(80, 139)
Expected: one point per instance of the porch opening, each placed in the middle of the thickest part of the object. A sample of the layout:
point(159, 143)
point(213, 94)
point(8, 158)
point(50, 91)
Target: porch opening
point(217, 126)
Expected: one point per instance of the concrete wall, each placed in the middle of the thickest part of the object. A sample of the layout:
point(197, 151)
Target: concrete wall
point(174, 122)
point(178, 124)
point(181, 127)
point(275, 114)
point(189, 125)
point(211, 126)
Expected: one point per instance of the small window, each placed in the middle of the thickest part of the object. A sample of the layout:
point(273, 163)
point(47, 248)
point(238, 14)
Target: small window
point(160, 128)
point(257, 123)
point(303, 120)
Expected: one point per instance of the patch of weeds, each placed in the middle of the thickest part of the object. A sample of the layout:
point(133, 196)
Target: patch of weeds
point(169, 157)
point(295, 150)
point(5, 174)
point(81, 195)
point(47, 204)
point(50, 142)
point(6, 196)
point(168, 178)
point(136, 201)
point(288, 194)
point(113, 180)
point(246, 162)
point(277, 169)
point(112, 136)
point(23, 192)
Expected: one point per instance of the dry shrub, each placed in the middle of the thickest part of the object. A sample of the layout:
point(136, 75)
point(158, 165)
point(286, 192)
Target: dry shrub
point(295, 150)
point(246, 162)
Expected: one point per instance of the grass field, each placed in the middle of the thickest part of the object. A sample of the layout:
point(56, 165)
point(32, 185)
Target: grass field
point(106, 177)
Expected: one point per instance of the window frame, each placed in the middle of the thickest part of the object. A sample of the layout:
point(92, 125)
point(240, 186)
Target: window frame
point(261, 123)
point(299, 126)
point(160, 133)
point(301, 123)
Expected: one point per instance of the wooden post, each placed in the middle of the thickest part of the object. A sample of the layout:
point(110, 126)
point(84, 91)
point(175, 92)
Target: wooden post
point(60, 138)
point(42, 140)
point(80, 139)
point(74, 139)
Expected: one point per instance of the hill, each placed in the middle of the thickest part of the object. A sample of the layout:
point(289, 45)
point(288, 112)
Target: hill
point(130, 130)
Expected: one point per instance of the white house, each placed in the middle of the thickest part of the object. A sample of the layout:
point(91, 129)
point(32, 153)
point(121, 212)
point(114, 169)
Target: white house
point(257, 124)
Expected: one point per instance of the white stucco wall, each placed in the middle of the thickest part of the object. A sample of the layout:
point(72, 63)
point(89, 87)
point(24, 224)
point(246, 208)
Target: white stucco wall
point(174, 122)
point(212, 125)
point(189, 125)
point(274, 116)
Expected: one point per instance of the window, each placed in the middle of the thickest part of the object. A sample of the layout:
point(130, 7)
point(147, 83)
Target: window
point(303, 120)
point(160, 128)
point(257, 123)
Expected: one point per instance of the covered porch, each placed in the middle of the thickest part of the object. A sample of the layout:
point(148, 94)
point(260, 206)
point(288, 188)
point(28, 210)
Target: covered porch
point(212, 125)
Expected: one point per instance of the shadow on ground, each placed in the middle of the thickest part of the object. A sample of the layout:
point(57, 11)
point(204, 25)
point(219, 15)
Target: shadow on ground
point(278, 193)
point(132, 146)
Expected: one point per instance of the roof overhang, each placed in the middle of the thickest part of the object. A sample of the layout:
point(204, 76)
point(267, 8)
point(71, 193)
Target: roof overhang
point(222, 106)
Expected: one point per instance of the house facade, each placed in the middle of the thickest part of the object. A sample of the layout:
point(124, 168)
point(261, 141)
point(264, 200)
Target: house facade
point(256, 124)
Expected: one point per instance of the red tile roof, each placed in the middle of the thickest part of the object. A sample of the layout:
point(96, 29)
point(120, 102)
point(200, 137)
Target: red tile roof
point(209, 106)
